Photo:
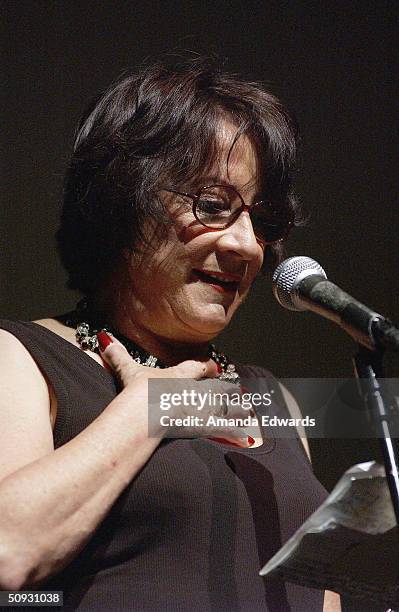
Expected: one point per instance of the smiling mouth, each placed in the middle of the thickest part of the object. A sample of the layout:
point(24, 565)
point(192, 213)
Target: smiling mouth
point(222, 282)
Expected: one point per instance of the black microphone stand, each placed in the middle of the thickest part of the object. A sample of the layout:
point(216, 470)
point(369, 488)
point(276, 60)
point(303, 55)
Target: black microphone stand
point(368, 368)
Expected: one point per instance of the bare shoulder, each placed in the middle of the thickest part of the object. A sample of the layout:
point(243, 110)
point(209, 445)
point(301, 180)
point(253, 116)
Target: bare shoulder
point(15, 358)
point(24, 407)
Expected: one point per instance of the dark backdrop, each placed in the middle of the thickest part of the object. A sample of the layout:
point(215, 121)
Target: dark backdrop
point(334, 63)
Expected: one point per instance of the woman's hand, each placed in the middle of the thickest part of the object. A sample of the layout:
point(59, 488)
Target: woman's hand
point(192, 380)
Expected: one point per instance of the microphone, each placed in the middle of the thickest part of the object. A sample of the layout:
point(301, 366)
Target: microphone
point(300, 283)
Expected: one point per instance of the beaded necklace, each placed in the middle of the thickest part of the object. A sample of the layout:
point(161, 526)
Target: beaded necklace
point(88, 323)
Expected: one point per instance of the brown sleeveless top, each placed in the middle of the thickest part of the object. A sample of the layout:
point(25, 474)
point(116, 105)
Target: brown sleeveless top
point(195, 526)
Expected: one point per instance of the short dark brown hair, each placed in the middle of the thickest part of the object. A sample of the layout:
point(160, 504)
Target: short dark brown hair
point(160, 122)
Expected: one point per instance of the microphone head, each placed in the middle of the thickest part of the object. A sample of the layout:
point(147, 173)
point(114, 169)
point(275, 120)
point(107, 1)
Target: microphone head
point(287, 277)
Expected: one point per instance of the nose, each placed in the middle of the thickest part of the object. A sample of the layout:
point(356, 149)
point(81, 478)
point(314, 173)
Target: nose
point(240, 239)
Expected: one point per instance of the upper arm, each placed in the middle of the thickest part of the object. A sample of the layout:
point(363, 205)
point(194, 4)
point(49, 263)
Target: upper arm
point(25, 427)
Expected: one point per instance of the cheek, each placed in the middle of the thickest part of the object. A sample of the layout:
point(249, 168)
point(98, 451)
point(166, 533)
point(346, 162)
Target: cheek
point(163, 268)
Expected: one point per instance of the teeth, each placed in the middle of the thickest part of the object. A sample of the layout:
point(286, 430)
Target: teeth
point(208, 276)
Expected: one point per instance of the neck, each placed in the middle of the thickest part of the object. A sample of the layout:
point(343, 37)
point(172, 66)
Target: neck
point(169, 351)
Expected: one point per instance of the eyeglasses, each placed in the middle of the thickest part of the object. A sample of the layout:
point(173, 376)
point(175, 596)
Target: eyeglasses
point(219, 206)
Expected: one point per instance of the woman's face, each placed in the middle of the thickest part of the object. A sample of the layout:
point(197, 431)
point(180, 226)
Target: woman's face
point(171, 294)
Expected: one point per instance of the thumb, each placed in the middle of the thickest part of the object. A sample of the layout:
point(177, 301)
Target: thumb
point(117, 357)
point(194, 369)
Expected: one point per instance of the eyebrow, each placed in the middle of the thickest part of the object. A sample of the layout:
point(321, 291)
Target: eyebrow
point(212, 179)
point(215, 179)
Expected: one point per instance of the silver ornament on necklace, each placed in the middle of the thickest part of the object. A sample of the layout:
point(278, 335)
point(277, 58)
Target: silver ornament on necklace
point(230, 374)
point(87, 339)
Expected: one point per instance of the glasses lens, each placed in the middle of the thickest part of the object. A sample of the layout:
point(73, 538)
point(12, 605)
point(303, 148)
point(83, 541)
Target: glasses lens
point(217, 205)
point(271, 222)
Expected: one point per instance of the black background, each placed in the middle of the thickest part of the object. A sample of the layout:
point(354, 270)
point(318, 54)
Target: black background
point(334, 64)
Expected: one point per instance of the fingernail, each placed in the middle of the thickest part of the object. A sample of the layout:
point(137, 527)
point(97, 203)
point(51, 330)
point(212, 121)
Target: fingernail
point(251, 441)
point(244, 389)
point(104, 340)
point(226, 441)
point(219, 368)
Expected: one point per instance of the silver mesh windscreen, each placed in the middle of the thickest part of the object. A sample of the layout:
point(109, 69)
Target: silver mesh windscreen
point(287, 276)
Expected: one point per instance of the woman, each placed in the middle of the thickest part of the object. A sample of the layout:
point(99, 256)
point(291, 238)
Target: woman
point(179, 186)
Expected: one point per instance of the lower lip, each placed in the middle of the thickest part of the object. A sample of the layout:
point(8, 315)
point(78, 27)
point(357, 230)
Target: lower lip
point(220, 288)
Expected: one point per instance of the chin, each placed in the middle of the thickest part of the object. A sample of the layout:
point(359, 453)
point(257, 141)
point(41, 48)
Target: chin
point(210, 320)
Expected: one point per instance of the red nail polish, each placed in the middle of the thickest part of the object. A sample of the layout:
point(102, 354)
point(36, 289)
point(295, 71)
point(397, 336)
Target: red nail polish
point(104, 340)
point(251, 441)
point(244, 389)
point(219, 368)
